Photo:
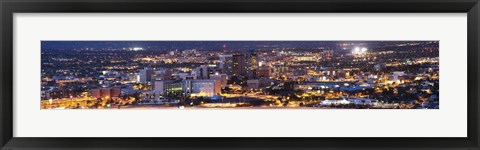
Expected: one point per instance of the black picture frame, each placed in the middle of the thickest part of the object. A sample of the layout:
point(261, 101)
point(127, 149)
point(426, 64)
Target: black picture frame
point(9, 7)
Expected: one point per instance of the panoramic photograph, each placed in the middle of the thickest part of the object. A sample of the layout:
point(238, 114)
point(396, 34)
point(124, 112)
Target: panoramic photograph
point(239, 75)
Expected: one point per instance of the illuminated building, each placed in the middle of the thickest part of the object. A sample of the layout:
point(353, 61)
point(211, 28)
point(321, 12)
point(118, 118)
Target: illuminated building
point(226, 64)
point(201, 88)
point(146, 75)
point(394, 78)
point(105, 92)
point(167, 87)
point(264, 71)
point(279, 68)
point(252, 65)
point(129, 78)
point(222, 77)
point(239, 65)
point(58, 93)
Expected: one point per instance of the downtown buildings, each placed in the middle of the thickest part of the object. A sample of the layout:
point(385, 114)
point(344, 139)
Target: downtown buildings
point(387, 72)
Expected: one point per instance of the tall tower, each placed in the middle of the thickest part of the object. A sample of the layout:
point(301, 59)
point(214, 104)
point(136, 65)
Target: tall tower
point(239, 65)
point(252, 64)
point(226, 64)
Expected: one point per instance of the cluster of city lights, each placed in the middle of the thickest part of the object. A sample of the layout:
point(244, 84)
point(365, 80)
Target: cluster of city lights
point(249, 75)
point(136, 49)
point(358, 50)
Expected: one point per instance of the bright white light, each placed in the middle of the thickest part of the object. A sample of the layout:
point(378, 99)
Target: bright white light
point(136, 48)
point(357, 49)
point(261, 63)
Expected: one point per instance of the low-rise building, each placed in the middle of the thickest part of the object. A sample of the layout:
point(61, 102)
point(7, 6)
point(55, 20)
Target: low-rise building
point(202, 88)
point(106, 92)
point(167, 87)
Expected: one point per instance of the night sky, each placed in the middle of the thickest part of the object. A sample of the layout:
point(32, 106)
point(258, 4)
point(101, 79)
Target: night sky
point(199, 45)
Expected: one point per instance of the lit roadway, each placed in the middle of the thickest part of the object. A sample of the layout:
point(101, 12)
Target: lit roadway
point(251, 95)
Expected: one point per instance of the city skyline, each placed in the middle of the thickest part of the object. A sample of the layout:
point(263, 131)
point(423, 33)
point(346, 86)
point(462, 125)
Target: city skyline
point(240, 74)
point(172, 45)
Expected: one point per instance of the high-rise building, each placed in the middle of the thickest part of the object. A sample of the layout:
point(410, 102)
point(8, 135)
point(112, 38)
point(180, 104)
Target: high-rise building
point(252, 65)
point(239, 65)
point(226, 64)
point(146, 75)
